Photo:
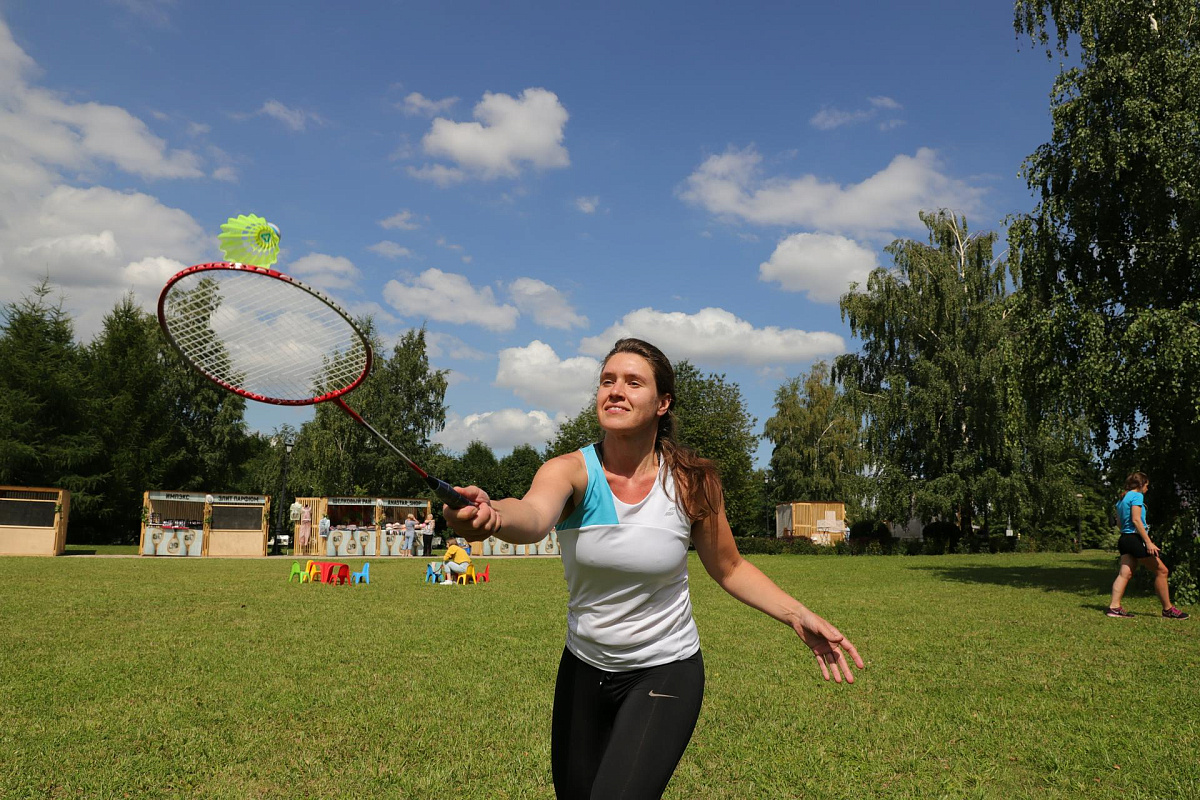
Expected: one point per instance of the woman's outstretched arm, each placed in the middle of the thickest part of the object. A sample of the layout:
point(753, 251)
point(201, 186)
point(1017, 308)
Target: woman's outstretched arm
point(528, 519)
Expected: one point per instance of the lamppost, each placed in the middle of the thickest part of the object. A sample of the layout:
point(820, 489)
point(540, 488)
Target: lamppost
point(287, 451)
point(1078, 520)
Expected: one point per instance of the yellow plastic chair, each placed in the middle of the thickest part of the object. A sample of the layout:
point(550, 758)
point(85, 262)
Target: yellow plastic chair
point(470, 573)
point(312, 571)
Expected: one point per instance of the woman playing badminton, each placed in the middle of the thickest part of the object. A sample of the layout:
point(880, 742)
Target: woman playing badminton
point(631, 677)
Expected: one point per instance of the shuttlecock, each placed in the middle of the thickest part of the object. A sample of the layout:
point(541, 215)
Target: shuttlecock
point(249, 239)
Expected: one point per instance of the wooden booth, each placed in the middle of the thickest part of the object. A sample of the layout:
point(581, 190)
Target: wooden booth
point(199, 524)
point(33, 521)
point(824, 523)
point(356, 526)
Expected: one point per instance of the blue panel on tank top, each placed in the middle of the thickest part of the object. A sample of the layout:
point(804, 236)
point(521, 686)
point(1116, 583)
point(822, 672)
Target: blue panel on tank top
point(597, 507)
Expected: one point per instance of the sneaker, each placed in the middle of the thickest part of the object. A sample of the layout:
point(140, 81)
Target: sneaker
point(1174, 613)
point(1120, 612)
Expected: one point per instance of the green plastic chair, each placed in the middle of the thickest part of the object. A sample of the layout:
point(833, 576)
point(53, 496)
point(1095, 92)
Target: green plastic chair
point(297, 573)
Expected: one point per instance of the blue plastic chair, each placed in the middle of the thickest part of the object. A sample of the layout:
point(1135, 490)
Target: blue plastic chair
point(364, 576)
point(432, 575)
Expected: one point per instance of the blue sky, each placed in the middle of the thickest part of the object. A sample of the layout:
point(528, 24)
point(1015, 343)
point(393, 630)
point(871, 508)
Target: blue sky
point(529, 180)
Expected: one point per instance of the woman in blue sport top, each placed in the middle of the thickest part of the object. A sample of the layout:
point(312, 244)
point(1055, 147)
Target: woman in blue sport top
point(1136, 548)
point(631, 677)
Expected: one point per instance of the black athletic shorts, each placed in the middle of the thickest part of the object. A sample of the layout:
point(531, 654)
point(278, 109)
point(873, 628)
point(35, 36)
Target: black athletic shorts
point(1131, 544)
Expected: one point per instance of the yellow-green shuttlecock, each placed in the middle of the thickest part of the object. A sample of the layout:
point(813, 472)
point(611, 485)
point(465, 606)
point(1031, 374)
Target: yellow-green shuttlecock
point(249, 239)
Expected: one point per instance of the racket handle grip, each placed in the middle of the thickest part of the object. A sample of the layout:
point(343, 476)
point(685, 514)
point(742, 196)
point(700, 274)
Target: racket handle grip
point(446, 493)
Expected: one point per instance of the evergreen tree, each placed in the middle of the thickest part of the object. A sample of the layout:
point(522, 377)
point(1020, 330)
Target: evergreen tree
point(141, 445)
point(47, 437)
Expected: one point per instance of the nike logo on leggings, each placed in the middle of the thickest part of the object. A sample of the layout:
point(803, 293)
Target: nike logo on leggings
point(656, 694)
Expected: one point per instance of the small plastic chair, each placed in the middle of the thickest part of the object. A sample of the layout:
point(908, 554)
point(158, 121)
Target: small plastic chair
point(431, 574)
point(364, 576)
point(296, 572)
point(468, 574)
point(482, 577)
point(342, 577)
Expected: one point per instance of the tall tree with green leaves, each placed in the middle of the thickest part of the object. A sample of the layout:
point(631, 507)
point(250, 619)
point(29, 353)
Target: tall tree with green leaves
point(403, 398)
point(142, 446)
point(817, 454)
point(47, 437)
point(516, 470)
point(935, 380)
point(1109, 259)
point(712, 419)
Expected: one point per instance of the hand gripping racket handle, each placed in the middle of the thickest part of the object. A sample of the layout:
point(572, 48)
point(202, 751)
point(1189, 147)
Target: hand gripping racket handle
point(446, 493)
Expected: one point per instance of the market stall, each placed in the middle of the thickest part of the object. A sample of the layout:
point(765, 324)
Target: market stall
point(33, 521)
point(200, 524)
point(824, 523)
point(353, 526)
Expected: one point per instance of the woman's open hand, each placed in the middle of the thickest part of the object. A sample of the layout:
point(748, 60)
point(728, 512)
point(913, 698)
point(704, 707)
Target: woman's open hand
point(833, 650)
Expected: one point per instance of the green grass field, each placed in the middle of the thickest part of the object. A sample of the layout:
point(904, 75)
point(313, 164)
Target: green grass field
point(988, 676)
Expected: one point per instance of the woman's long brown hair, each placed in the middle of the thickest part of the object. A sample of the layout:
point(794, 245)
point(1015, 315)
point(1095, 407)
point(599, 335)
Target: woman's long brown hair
point(697, 481)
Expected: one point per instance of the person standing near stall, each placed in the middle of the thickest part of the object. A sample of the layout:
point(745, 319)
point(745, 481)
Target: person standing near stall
point(427, 536)
point(631, 676)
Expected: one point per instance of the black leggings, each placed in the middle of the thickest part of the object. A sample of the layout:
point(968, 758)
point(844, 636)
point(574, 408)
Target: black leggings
point(619, 735)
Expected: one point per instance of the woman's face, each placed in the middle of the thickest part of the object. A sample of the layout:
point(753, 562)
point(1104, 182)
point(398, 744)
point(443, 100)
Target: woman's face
point(627, 398)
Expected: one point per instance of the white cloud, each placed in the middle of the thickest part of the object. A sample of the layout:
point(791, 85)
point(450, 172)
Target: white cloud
point(294, 118)
point(547, 305)
point(509, 131)
point(390, 250)
point(714, 336)
point(588, 205)
point(326, 271)
point(731, 186)
point(37, 124)
point(449, 297)
point(94, 243)
point(440, 174)
point(823, 265)
point(438, 345)
point(538, 376)
point(404, 220)
point(829, 118)
point(418, 104)
point(501, 430)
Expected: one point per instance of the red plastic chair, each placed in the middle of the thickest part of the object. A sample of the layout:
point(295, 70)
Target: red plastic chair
point(482, 577)
point(343, 575)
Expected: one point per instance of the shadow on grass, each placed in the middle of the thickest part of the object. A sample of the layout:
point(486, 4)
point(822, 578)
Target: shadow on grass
point(1086, 579)
point(78, 550)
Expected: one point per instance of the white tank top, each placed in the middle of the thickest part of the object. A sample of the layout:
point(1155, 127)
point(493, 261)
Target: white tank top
point(626, 571)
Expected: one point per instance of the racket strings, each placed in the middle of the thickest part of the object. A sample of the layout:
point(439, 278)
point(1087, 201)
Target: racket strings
point(264, 336)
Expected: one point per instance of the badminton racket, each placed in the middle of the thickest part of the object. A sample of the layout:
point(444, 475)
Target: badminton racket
point(268, 337)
